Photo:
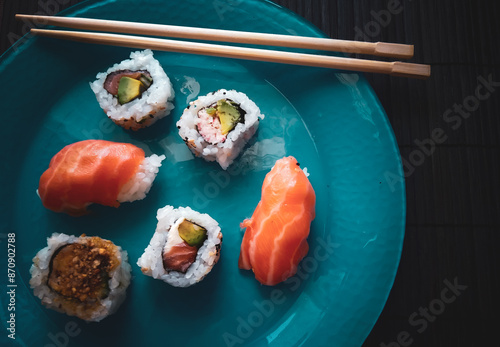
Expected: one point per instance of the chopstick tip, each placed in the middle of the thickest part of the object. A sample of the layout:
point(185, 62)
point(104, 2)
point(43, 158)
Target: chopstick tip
point(420, 71)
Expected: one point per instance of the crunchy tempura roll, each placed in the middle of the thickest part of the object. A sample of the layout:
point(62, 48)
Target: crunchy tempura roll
point(86, 277)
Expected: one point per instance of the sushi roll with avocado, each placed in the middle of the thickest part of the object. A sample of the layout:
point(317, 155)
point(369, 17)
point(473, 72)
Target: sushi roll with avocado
point(184, 248)
point(86, 277)
point(136, 92)
point(217, 126)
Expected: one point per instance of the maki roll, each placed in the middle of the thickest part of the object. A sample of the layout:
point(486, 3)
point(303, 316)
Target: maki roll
point(136, 92)
point(184, 248)
point(86, 277)
point(217, 126)
point(97, 171)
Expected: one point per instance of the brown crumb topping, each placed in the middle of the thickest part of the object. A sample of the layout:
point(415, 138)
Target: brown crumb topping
point(80, 271)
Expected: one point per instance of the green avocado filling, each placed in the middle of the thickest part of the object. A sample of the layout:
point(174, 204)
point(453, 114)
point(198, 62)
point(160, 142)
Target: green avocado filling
point(211, 111)
point(193, 234)
point(229, 115)
point(130, 88)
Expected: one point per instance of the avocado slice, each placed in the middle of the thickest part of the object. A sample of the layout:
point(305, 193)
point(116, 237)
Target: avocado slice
point(228, 114)
point(192, 234)
point(211, 111)
point(129, 89)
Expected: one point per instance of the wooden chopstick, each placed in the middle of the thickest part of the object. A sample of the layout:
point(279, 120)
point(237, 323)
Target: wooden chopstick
point(351, 64)
point(394, 50)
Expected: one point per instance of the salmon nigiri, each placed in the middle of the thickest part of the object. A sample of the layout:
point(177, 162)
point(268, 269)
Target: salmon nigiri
point(96, 171)
point(275, 239)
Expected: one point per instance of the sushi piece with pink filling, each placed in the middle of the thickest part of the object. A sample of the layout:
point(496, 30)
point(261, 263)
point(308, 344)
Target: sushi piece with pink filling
point(217, 126)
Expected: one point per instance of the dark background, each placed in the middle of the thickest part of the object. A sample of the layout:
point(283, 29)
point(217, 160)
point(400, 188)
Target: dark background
point(449, 142)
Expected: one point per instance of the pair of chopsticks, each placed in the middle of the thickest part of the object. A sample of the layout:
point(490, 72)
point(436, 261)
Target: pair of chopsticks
point(393, 50)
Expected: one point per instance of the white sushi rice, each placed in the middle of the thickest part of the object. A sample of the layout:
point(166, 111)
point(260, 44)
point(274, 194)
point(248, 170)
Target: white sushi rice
point(151, 261)
point(223, 152)
point(40, 271)
point(155, 102)
point(140, 184)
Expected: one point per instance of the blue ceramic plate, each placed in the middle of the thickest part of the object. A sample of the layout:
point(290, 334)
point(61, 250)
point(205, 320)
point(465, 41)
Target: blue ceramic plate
point(331, 121)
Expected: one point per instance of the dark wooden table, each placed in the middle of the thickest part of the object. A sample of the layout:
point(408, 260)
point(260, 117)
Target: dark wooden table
point(447, 288)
